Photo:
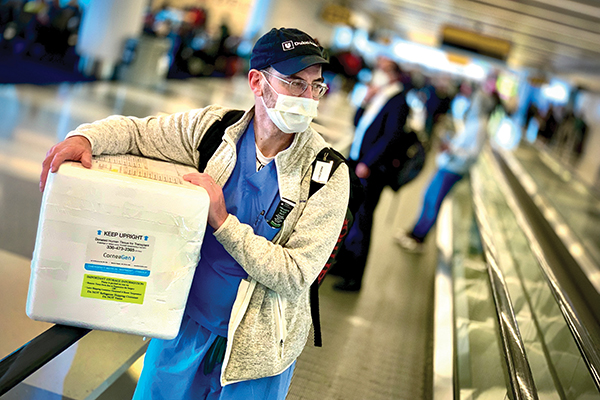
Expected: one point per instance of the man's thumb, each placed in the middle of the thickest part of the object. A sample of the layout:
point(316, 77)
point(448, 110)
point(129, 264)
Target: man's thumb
point(86, 160)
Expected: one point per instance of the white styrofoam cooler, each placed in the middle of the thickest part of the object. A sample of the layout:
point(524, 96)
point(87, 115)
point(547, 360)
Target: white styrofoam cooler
point(117, 246)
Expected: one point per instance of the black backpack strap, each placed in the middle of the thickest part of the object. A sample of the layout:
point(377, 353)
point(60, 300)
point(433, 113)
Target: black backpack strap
point(326, 155)
point(214, 136)
point(314, 314)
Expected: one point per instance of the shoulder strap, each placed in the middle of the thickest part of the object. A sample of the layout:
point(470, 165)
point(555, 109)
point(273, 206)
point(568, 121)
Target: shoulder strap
point(328, 156)
point(214, 136)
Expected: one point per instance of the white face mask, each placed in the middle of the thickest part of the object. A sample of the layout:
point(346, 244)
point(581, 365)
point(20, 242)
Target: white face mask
point(291, 114)
point(380, 78)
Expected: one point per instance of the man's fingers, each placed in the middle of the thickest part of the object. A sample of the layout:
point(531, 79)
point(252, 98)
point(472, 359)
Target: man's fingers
point(199, 179)
point(46, 165)
point(86, 160)
point(55, 158)
point(58, 159)
point(192, 178)
point(43, 178)
point(217, 212)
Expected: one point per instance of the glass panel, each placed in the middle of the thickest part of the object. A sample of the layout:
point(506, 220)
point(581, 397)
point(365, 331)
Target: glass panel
point(479, 370)
point(552, 352)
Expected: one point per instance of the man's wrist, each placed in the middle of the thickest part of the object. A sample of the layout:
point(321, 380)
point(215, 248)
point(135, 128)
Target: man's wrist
point(220, 222)
point(83, 138)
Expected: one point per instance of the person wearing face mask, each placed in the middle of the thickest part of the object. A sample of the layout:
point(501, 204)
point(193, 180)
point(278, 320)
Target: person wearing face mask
point(377, 139)
point(247, 317)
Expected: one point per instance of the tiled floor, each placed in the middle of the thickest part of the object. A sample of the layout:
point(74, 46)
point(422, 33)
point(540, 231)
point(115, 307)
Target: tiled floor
point(377, 343)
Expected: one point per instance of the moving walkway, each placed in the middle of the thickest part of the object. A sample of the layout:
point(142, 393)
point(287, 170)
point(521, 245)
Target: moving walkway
point(522, 270)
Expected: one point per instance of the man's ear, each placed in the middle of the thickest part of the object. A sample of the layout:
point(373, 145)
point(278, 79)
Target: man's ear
point(254, 80)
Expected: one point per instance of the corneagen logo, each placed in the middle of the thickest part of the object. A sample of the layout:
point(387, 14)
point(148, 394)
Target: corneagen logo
point(119, 257)
point(289, 45)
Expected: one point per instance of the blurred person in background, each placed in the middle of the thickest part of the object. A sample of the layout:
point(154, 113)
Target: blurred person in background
point(581, 129)
point(247, 317)
point(548, 126)
point(438, 99)
point(9, 14)
point(460, 104)
point(42, 32)
point(379, 122)
point(58, 26)
point(28, 23)
point(569, 139)
point(456, 157)
point(347, 65)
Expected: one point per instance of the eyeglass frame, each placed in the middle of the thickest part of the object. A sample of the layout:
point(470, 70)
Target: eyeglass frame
point(315, 85)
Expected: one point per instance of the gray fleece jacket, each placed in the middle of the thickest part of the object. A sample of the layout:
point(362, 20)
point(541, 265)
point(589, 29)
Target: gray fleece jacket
point(270, 320)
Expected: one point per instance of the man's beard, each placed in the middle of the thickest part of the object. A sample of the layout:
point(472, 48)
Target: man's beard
point(269, 96)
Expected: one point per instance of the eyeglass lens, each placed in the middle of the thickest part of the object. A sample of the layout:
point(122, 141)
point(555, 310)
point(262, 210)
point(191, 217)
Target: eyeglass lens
point(299, 86)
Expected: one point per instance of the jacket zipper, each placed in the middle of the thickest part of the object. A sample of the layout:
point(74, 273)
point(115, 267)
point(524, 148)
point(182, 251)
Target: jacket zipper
point(240, 310)
point(280, 322)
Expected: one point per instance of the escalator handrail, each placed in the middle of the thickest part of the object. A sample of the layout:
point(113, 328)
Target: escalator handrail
point(518, 368)
point(580, 332)
point(30, 357)
point(553, 217)
point(575, 175)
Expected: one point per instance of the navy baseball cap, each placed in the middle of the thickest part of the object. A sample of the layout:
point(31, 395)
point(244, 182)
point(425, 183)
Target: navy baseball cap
point(287, 50)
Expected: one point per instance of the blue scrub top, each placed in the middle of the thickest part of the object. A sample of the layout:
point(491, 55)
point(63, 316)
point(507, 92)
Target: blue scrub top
point(252, 197)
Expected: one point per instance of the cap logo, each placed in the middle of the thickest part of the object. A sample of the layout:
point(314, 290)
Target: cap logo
point(289, 45)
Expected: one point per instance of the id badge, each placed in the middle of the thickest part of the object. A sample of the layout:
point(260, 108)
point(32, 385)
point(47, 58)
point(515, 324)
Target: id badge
point(281, 212)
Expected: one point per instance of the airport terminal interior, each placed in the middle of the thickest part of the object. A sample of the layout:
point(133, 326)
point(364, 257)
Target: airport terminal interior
point(500, 301)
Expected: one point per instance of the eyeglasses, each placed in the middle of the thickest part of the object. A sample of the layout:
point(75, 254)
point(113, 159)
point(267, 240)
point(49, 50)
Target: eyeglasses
point(299, 86)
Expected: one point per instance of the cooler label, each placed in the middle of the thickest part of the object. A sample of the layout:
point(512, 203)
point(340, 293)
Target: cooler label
point(115, 289)
point(119, 252)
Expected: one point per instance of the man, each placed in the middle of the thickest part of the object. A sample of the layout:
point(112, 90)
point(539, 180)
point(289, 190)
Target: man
point(379, 127)
point(247, 318)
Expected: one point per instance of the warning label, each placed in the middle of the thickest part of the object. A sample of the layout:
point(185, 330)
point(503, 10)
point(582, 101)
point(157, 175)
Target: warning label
point(115, 289)
point(119, 252)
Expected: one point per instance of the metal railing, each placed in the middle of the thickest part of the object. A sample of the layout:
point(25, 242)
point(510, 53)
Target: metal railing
point(520, 377)
point(30, 357)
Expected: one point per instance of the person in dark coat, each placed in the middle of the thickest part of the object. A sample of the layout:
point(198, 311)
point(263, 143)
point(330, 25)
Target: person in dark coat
point(379, 127)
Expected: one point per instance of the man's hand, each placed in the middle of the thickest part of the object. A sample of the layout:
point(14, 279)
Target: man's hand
point(362, 171)
point(217, 213)
point(74, 148)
